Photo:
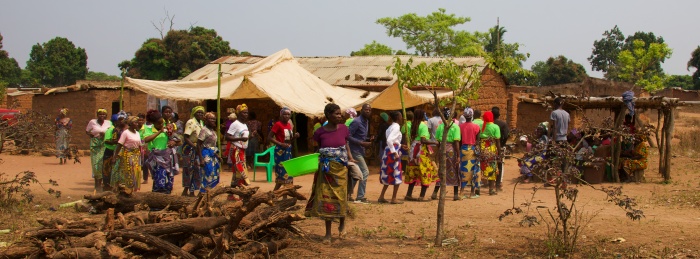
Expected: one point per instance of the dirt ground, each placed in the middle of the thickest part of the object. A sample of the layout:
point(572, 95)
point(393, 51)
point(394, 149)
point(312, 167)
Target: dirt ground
point(669, 230)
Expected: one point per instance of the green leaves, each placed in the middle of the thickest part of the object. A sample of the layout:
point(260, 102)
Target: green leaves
point(10, 72)
point(638, 65)
point(373, 49)
point(695, 63)
point(57, 62)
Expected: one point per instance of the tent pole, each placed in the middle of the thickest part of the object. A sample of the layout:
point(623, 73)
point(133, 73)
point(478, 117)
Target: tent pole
point(121, 92)
point(294, 144)
point(403, 109)
point(218, 106)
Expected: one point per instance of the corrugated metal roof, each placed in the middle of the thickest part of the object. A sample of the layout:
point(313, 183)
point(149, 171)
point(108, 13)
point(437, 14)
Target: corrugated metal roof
point(339, 71)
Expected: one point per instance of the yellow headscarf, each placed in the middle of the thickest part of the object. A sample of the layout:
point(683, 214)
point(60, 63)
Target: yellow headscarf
point(102, 110)
point(132, 119)
point(197, 109)
point(63, 111)
point(241, 107)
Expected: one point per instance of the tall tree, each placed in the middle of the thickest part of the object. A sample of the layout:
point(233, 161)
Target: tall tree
point(605, 52)
point(176, 55)
point(682, 81)
point(561, 70)
point(431, 35)
point(57, 62)
point(506, 58)
point(10, 72)
point(638, 65)
point(694, 62)
point(373, 49)
point(648, 38)
point(99, 76)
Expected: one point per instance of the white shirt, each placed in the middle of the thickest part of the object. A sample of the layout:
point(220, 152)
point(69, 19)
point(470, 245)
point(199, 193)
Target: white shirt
point(239, 130)
point(393, 136)
point(96, 129)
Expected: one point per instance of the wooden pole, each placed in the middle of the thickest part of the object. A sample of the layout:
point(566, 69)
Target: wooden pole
point(662, 143)
point(218, 106)
point(667, 153)
point(121, 91)
point(617, 146)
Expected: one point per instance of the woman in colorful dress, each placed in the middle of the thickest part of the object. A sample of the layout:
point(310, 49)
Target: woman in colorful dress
point(470, 168)
point(390, 173)
point(190, 166)
point(127, 154)
point(63, 125)
point(282, 136)
point(490, 150)
point(452, 151)
point(96, 129)
point(421, 170)
point(635, 161)
point(160, 157)
point(208, 152)
point(329, 193)
point(238, 134)
point(111, 138)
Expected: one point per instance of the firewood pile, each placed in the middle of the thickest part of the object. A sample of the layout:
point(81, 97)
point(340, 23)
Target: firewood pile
point(184, 227)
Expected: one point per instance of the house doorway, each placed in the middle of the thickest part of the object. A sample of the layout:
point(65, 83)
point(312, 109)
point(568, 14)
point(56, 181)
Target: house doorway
point(301, 125)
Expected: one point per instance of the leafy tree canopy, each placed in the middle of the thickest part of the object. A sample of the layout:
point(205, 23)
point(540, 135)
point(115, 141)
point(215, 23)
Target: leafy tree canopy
point(178, 54)
point(505, 58)
point(373, 49)
point(694, 62)
point(9, 68)
point(560, 70)
point(99, 76)
point(638, 65)
point(57, 62)
point(682, 81)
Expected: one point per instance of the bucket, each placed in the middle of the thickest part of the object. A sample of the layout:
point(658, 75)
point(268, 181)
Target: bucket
point(301, 165)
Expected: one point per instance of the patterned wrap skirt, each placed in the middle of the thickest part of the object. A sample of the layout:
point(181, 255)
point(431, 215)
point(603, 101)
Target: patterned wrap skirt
point(62, 141)
point(452, 174)
point(127, 170)
point(107, 167)
point(162, 167)
point(97, 152)
point(390, 173)
point(211, 170)
point(329, 192)
point(240, 170)
point(421, 169)
point(489, 167)
point(191, 177)
point(469, 167)
point(281, 155)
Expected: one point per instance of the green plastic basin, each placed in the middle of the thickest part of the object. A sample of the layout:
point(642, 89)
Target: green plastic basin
point(301, 165)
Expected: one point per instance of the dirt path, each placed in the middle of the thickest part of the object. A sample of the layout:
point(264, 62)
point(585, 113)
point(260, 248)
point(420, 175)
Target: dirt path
point(671, 226)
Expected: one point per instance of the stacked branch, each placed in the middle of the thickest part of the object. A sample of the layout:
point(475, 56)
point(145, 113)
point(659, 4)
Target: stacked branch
point(186, 227)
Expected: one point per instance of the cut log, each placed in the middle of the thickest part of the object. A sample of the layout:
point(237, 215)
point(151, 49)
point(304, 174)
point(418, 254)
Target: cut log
point(115, 251)
point(51, 233)
point(198, 242)
point(153, 241)
point(13, 252)
point(265, 249)
point(125, 203)
point(76, 253)
point(192, 226)
point(277, 220)
point(62, 223)
point(48, 246)
point(97, 240)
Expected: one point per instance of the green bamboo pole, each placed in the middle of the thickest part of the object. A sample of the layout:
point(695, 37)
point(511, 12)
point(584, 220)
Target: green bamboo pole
point(121, 92)
point(218, 106)
point(403, 109)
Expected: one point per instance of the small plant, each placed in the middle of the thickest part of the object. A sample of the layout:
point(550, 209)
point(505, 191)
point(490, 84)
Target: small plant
point(16, 190)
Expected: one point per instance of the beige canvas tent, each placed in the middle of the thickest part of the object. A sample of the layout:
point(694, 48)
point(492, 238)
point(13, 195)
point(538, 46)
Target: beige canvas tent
point(278, 77)
point(389, 99)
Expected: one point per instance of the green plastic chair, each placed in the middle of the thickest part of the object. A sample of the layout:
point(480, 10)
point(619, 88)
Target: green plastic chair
point(268, 165)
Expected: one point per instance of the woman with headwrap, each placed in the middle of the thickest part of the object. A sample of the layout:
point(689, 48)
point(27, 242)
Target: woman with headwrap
point(470, 168)
point(96, 129)
point(237, 134)
point(282, 136)
point(208, 154)
point(127, 155)
point(329, 192)
point(391, 172)
point(160, 157)
point(111, 138)
point(190, 166)
point(62, 137)
point(421, 170)
point(490, 150)
point(634, 162)
point(452, 151)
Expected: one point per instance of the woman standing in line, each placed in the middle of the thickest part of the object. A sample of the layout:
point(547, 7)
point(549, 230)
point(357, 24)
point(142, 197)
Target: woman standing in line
point(490, 149)
point(96, 129)
point(190, 166)
point(238, 134)
point(282, 136)
point(127, 175)
point(255, 129)
point(390, 172)
point(111, 138)
point(421, 170)
point(160, 158)
point(329, 193)
point(452, 175)
point(63, 125)
point(208, 152)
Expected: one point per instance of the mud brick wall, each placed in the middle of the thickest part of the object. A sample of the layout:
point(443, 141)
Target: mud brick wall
point(682, 95)
point(23, 102)
point(82, 106)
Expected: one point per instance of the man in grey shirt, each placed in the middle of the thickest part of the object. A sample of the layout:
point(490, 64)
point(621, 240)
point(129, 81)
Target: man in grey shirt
point(433, 123)
point(560, 121)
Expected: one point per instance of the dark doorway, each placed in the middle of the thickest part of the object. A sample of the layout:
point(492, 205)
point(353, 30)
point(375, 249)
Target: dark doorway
point(301, 125)
point(115, 107)
point(211, 105)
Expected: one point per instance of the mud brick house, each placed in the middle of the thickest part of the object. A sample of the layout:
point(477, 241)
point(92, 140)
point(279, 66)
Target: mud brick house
point(82, 100)
point(18, 98)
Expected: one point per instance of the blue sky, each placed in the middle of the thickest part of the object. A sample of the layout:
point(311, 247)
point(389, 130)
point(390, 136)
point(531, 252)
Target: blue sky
point(111, 31)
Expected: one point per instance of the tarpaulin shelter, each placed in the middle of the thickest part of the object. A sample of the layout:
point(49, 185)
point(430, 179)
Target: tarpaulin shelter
point(389, 98)
point(278, 77)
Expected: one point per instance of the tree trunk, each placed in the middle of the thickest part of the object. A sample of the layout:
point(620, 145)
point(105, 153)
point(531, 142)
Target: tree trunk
point(669, 137)
point(152, 241)
point(13, 252)
point(75, 253)
point(443, 188)
point(125, 203)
